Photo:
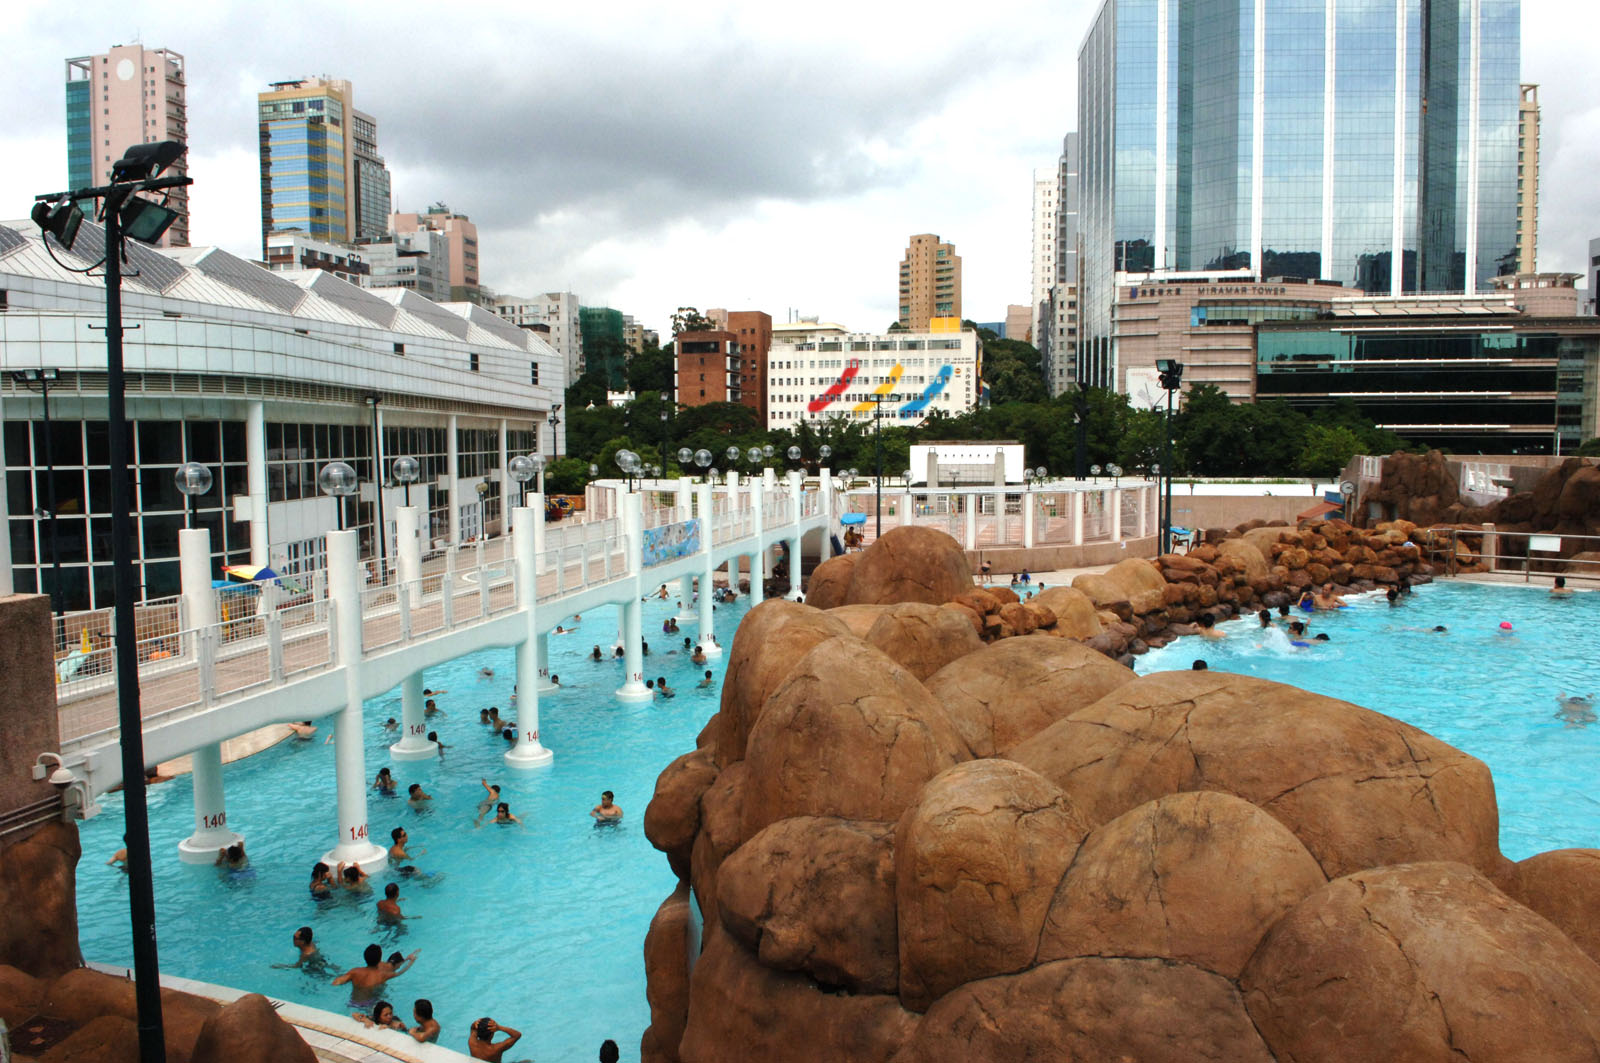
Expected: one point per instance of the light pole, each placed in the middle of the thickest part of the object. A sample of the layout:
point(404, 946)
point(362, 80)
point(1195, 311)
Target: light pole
point(192, 479)
point(1080, 402)
point(338, 481)
point(877, 447)
point(125, 214)
point(44, 376)
point(666, 426)
point(702, 458)
point(630, 465)
point(521, 469)
point(555, 437)
point(377, 484)
point(824, 452)
point(405, 472)
point(1171, 376)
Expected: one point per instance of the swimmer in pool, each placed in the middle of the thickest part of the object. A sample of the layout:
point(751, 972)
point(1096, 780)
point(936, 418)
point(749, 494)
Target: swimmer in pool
point(618, 654)
point(397, 851)
point(597, 655)
point(504, 816)
point(1208, 627)
point(308, 956)
point(605, 811)
point(488, 802)
point(416, 797)
point(391, 724)
point(384, 783)
point(1199, 666)
point(698, 656)
point(1328, 600)
point(1297, 634)
point(1265, 617)
point(662, 688)
point(382, 1017)
point(322, 881)
point(1307, 602)
point(707, 681)
point(555, 680)
point(119, 860)
point(304, 730)
point(353, 879)
point(482, 1045)
point(389, 913)
point(1576, 711)
point(368, 981)
point(431, 709)
point(433, 736)
point(494, 718)
point(1559, 588)
point(486, 673)
point(483, 717)
point(233, 857)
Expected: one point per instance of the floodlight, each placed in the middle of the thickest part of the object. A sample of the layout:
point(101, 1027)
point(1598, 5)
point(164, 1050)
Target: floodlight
point(144, 161)
point(145, 221)
point(60, 219)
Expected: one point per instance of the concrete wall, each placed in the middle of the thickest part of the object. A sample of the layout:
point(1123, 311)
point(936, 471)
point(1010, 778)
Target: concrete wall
point(1224, 511)
point(29, 724)
point(1011, 559)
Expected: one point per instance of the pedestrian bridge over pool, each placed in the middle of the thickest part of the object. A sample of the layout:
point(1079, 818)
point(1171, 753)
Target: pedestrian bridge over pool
point(215, 675)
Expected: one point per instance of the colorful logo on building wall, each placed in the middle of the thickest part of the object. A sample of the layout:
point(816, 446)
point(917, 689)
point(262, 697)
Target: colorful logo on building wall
point(915, 408)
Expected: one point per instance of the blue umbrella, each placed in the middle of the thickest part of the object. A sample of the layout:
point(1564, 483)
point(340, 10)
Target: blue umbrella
point(853, 518)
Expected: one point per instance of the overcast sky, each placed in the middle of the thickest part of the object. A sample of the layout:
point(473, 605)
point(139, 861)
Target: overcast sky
point(752, 156)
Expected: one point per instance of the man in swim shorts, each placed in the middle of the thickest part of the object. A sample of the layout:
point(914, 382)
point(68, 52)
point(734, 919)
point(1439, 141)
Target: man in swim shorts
point(367, 982)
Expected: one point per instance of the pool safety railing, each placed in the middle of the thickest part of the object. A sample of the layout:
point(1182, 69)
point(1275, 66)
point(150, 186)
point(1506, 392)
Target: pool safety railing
point(1057, 513)
point(1499, 551)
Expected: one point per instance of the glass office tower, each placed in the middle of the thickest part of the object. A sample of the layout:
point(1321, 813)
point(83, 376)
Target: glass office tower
point(1369, 142)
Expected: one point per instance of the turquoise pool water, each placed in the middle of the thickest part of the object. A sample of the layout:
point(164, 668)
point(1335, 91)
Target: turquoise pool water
point(1490, 693)
point(541, 927)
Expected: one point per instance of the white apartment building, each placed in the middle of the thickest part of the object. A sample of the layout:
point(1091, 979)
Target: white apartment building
point(823, 374)
point(416, 261)
point(1044, 255)
point(558, 311)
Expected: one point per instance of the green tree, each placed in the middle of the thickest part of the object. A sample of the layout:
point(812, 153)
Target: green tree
point(1590, 449)
point(651, 370)
point(566, 476)
point(1328, 449)
point(690, 319)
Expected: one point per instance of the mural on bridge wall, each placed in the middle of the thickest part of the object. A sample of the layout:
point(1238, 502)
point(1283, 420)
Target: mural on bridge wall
point(913, 409)
point(671, 541)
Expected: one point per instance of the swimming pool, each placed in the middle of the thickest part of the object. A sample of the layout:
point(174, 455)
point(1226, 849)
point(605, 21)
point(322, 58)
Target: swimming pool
point(540, 926)
point(1487, 692)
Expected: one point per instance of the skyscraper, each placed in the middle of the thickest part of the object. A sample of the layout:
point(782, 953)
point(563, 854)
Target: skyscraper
point(462, 236)
point(1528, 180)
point(320, 169)
point(1367, 143)
point(126, 96)
point(1058, 347)
point(1045, 191)
point(930, 281)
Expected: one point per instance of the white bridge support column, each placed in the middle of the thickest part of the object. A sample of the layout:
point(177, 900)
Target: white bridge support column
point(797, 498)
point(1030, 510)
point(528, 752)
point(970, 504)
point(1116, 514)
point(534, 500)
point(542, 645)
point(825, 498)
point(758, 560)
point(255, 453)
point(413, 744)
point(350, 759)
point(210, 814)
point(633, 688)
point(1075, 504)
point(703, 497)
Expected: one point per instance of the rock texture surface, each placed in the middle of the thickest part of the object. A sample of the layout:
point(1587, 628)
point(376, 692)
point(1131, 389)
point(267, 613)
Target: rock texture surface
point(38, 901)
point(909, 564)
point(249, 1028)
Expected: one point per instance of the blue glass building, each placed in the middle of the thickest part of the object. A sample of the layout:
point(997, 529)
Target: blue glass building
point(1369, 142)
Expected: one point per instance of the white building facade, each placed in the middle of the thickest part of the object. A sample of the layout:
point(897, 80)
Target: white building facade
point(1045, 191)
point(263, 377)
point(910, 375)
point(556, 310)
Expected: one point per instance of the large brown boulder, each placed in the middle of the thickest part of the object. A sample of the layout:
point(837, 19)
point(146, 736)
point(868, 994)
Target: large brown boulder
point(829, 585)
point(105, 1039)
point(1579, 500)
point(1105, 592)
point(666, 972)
point(721, 832)
point(1013, 689)
point(1422, 961)
point(740, 1010)
point(977, 860)
point(1247, 556)
point(850, 733)
point(1359, 789)
point(859, 618)
point(1091, 1010)
point(922, 638)
point(1194, 877)
point(1262, 539)
point(910, 564)
point(1563, 886)
point(1141, 582)
point(249, 1028)
point(20, 996)
point(771, 638)
point(816, 896)
point(38, 901)
point(1076, 615)
point(84, 994)
point(672, 818)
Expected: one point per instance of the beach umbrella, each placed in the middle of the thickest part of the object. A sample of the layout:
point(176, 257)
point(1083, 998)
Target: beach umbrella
point(250, 573)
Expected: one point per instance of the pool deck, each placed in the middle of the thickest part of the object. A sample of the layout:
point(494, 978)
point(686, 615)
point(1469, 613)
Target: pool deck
point(334, 1038)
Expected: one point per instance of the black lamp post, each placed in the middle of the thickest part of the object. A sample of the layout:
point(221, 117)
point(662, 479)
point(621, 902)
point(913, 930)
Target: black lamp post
point(555, 437)
point(702, 458)
point(405, 472)
point(26, 377)
point(377, 467)
point(1080, 460)
point(877, 447)
point(1171, 376)
point(125, 214)
point(666, 426)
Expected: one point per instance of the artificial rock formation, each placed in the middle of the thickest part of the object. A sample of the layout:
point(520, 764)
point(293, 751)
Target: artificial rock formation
point(909, 564)
point(38, 901)
point(249, 1028)
point(956, 830)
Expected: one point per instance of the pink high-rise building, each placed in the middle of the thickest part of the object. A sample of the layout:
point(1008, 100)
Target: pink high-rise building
point(126, 96)
point(462, 236)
